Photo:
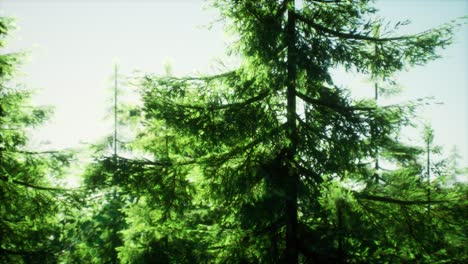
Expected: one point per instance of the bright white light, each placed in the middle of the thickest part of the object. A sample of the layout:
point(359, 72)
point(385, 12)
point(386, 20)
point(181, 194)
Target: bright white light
point(73, 65)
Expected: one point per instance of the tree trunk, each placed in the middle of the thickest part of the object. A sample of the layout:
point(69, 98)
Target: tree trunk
point(291, 254)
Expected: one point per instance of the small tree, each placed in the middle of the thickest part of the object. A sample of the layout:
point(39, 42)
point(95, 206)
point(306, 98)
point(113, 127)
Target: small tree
point(92, 230)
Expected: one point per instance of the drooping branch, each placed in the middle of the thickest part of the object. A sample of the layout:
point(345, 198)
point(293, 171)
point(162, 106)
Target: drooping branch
point(249, 101)
point(327, 1)
point(335, 107)
point(201, 78)
point(159, 163)
point(208, 160)
point(20, 252)
point(353, 36)
point(33, 186)
point(36, 152)
point(395, 201)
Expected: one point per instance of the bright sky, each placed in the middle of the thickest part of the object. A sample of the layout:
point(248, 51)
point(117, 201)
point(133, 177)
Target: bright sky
point(74, 43)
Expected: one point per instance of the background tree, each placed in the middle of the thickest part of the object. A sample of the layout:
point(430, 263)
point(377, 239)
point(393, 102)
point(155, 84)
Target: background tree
point(165, 212)
point(126, 201)
point(399, 225)
point(92, 231)
point(29, 228)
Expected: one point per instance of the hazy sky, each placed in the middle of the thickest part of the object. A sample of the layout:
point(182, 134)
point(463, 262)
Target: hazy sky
point(74, 43)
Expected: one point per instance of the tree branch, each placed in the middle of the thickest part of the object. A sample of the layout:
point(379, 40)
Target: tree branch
point(29, 185)
point(20, 252)
point(210, 159)
point(335, 107)
point(350, 35)
point(395, 201)
point(191, 78)
point(35, 152)
point(225, 106)
point(327, 1)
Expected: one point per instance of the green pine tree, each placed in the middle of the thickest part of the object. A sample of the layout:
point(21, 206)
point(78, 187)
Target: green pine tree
point(257, 164)
point(29, 203)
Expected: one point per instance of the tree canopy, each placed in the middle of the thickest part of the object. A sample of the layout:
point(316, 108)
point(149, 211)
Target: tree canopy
point(29, 202)
point(268, 151)
point(267, 162)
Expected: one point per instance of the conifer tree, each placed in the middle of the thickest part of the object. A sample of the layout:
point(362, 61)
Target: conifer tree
point(29, 203)
point(92, 230)
point(268, 150)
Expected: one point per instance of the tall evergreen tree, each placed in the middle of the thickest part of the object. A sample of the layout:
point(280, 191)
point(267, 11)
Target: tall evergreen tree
point(29, 203)
point(255, 164)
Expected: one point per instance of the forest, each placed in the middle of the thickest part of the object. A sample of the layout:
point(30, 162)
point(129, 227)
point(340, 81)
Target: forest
point(269, 161)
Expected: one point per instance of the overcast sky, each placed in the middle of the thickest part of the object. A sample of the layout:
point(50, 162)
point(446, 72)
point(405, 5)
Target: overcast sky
point(73, 44)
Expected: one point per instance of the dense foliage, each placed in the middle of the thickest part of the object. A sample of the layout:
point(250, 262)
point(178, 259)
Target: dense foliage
point(29, 227)
point(269, 162)
point(258, 164)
